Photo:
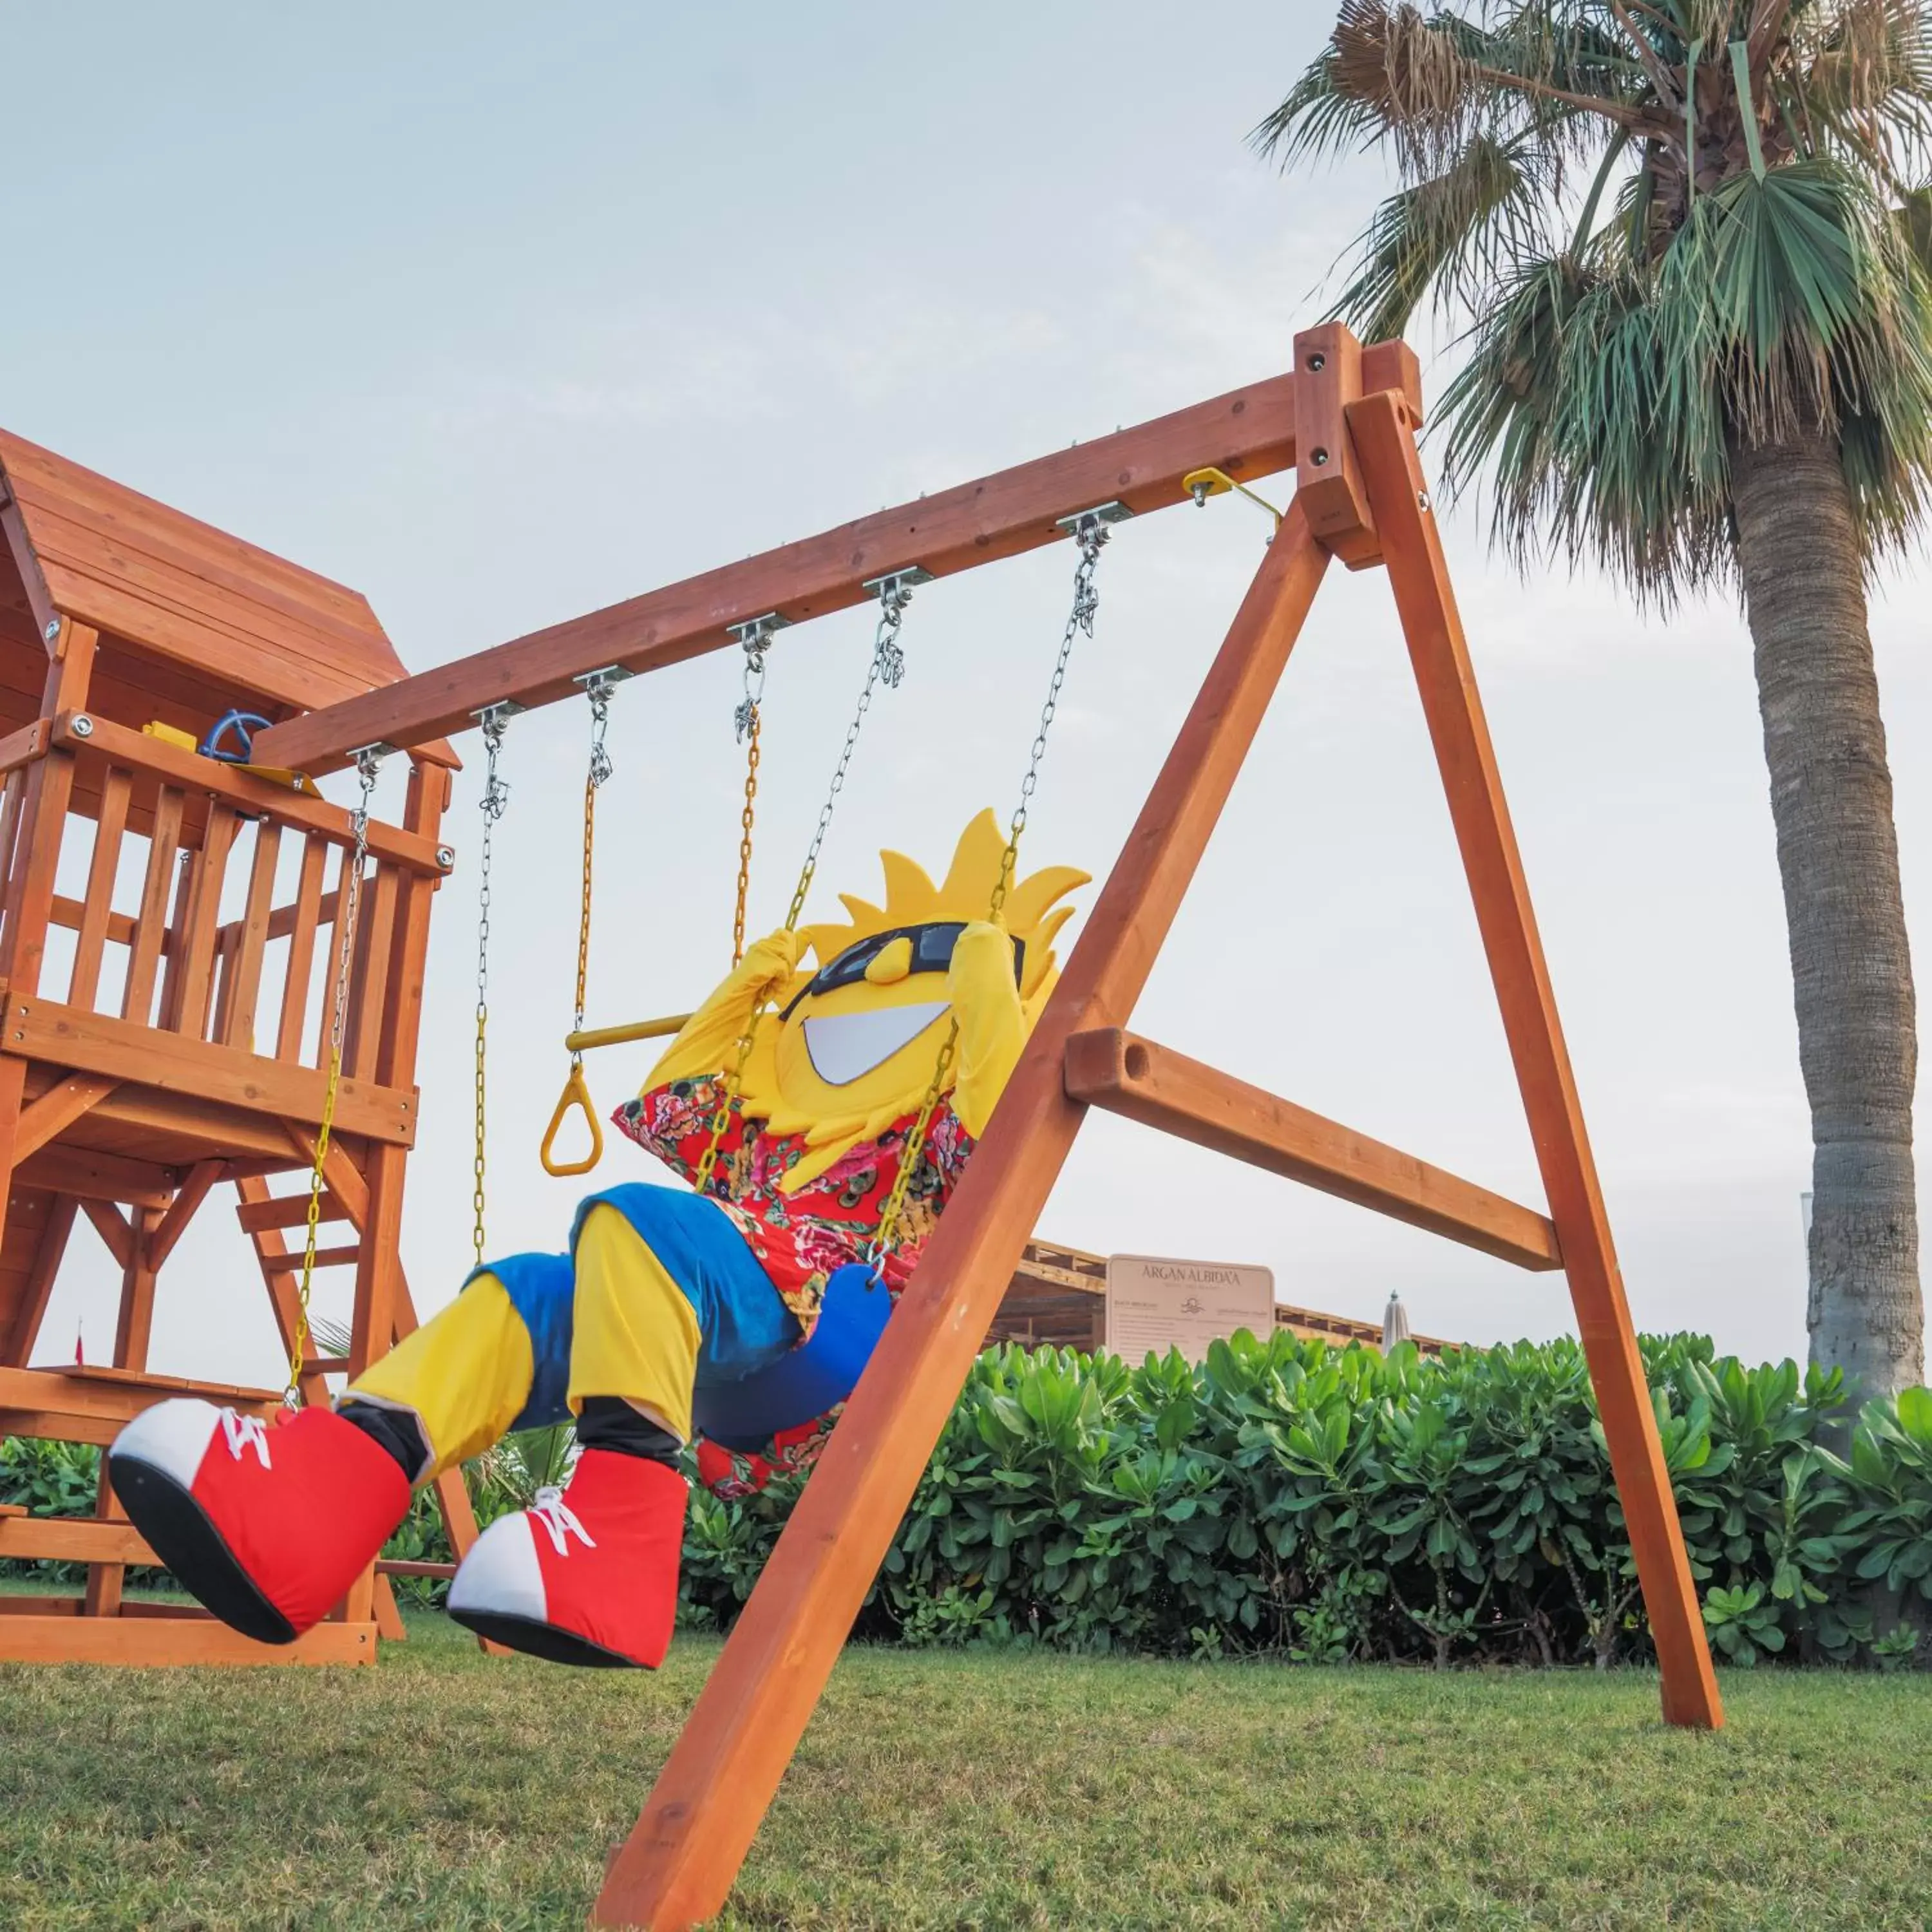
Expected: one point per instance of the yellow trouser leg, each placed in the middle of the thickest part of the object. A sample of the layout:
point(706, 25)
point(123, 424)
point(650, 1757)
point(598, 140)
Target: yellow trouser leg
point(464, 1375)
point(636, 1335)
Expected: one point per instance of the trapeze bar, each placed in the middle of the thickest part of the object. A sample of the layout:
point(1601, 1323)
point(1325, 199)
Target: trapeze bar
point(1116, 1070)
point(621, 1036)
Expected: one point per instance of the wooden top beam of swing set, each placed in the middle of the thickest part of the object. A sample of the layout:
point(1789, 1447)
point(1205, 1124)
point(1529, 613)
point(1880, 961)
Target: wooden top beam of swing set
point(1249, 433)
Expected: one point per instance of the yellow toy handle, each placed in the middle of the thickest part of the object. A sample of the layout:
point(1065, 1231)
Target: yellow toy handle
point(575, 1094)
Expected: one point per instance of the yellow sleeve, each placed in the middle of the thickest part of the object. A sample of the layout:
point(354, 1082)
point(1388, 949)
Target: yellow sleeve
point(708, 1040)
point(992, 1026)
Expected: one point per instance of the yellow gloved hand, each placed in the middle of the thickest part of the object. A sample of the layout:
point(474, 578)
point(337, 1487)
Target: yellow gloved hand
point(768, 962)
point(708, 1040)
point(986, 1000)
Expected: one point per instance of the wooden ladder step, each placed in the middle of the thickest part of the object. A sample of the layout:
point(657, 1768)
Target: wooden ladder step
point(324, 1257)
point(287, 1211)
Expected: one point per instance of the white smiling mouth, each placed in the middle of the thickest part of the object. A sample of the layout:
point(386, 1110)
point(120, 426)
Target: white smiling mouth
point(844, 1047)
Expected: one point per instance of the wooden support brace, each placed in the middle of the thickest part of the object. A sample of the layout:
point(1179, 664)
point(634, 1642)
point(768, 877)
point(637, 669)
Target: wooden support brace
point(1126, 1075)
point(182, 1210)
point(56, 1110)
point(92, 1176)
point(111, 1226)
point(1445, 676)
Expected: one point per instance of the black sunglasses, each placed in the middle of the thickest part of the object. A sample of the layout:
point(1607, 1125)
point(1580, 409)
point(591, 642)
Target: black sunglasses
point(932, 946)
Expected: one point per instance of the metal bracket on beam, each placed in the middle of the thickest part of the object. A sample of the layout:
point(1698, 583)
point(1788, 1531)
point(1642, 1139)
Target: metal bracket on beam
point(1114, 512)
point(754, 633)
point(606, 679)
point(894, 581)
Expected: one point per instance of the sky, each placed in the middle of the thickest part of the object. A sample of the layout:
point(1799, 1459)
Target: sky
point(500, 315)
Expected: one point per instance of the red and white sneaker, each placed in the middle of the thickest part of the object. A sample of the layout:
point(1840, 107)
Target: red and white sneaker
point(268, 1524)
point(586, 1575)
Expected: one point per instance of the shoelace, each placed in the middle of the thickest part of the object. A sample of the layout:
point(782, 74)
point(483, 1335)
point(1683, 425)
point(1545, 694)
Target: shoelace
point(245, 1431)
point(551, 1510)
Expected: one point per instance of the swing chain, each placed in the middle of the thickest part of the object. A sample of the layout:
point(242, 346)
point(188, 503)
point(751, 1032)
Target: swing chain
point(887, 668)
point(496, 797)
point(747, 819)
point(1089, 530)
point(597, 688)
point(348, 890)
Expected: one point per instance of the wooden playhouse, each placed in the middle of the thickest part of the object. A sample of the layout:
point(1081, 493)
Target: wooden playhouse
point(169, 937)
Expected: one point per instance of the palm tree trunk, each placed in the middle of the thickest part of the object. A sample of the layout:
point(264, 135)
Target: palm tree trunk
point(1801, 565)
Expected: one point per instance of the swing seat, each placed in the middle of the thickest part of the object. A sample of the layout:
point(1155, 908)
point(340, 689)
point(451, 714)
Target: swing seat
point(817, 1375)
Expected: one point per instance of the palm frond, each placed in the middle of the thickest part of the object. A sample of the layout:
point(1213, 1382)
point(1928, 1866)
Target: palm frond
point(1448, 237)
point(1387, 73)
point(1863, 73)
point(1603, 396)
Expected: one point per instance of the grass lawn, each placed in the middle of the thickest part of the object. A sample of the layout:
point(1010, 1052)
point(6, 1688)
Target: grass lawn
point(444, 1790)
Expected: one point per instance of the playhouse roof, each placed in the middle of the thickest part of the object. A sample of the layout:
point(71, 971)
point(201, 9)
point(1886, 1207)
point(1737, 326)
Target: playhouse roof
point(135, 570)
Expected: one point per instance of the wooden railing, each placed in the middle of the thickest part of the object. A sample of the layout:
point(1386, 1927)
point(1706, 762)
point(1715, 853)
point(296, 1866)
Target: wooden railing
point(216, 977)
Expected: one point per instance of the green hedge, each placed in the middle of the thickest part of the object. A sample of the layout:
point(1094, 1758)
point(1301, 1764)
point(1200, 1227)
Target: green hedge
point(1291, 1500)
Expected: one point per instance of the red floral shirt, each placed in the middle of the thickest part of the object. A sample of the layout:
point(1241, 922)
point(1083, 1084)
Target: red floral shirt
point(799, 1238)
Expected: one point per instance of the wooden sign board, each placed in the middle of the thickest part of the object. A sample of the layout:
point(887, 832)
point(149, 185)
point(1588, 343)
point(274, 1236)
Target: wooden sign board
point(1156, 1302)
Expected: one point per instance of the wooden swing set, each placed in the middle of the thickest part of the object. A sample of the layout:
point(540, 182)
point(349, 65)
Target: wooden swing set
point(1345, 419)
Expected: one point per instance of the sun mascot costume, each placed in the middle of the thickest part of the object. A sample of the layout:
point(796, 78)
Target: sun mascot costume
point(735, 1316)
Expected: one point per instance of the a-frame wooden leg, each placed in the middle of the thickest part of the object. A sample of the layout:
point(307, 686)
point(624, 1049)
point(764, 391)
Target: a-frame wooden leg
point(1412, 552)
point(679, 1863)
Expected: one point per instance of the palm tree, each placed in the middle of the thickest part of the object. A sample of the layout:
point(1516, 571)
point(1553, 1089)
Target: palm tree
point(1692, 242)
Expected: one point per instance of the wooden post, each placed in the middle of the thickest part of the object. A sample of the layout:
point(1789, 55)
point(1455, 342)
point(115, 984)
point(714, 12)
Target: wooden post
point(1412, 550)
point(137, 1322)
point(679, 1862)
point(35, 858)
point(392, 992)
point(16, 1346)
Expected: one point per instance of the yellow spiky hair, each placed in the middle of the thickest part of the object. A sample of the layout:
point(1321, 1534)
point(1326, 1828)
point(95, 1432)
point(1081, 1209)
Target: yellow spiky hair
point(1030, 913)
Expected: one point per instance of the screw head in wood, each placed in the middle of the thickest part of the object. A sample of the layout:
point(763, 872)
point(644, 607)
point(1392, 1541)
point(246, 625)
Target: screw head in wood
point(83, 726)
point(1422, 499)
point(1317, 362)
point(445, 856)
point(1319, 458)
point(52, 630)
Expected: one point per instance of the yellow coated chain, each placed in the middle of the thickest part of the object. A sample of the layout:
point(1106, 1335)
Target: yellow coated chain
point(746, 819)
point(349, 901)
point(598, 687)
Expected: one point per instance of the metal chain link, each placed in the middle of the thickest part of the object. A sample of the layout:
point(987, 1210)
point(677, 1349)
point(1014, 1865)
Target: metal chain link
point(887, 668)
point(1091, 533)
point(496, 797)
point(349, 903)
point(1091, 536)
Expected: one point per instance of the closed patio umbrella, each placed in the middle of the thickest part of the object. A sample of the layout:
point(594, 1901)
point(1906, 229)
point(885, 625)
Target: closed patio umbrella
point(1395, 1323)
